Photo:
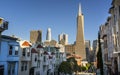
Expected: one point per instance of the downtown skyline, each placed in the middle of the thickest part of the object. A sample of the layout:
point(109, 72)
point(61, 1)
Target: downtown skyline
point(60, 16)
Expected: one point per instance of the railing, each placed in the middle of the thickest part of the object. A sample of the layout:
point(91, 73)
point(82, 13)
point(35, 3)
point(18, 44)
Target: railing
point(4, 26)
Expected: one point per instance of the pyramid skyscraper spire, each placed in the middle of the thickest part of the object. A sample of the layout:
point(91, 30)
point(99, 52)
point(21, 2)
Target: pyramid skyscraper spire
point(79, 10)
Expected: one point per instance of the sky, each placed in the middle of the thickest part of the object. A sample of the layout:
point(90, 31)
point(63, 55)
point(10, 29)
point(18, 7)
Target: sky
point(59, 15)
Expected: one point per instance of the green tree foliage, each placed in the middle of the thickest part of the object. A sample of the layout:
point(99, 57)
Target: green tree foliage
point(69, 66)
point(73, 63)
point(99, 56)
point(88, 66)
point(79, 69)
point(65, 67)
point(83, 68)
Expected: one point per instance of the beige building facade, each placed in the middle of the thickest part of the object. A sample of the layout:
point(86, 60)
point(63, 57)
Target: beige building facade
point(70, 49)
point(35, 36)
point(63, 39)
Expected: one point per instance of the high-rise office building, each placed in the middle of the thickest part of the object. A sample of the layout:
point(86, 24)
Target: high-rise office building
point(36, 36)
point(48, 35)
point(95, 48)
point(87, 48)
point(80, 42)
point(87, 44)
point(95, 43)
point(63, 39)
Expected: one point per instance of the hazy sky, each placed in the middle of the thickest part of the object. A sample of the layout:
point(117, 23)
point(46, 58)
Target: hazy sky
point(59, 15)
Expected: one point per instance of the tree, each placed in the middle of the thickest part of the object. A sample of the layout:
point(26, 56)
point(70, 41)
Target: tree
point(99, 56)
point(79, 69)
point(88, 65)
point(65, 67)
point(73, 63)
point(69, 66)
point(83, 68)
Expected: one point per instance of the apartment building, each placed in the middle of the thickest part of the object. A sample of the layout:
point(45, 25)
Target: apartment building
point(9, 55)
point(25, 57)
point(110, 34)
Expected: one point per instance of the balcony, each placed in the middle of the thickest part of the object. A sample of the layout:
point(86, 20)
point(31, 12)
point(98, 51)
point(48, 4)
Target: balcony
point(3, 25)
point(116, 53)
point(108, 63)
point(13, 58)
point(25, 58)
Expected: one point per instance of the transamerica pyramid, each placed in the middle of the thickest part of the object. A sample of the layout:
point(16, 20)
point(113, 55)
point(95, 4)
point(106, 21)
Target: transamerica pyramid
point(80, 42)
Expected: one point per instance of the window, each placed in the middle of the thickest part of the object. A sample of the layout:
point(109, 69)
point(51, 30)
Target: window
point(23, 52)
point(16, 50)
point(38, 63)
point(35, 58)
point(28, 52)
point(11, 68)
point(44, 67)
point(25, 65)
point(44, 59)
point(22, 66)
point(41, 54)
point(10, 49)
point(57, 56)
point(2, 69)
point(38, 54)
point(8, 69)
point(37, 73)
point(119, 11)
point(114, 19)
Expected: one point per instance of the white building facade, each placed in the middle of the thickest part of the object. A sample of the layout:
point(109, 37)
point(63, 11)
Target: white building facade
point(25, 57)
point(48, 35)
